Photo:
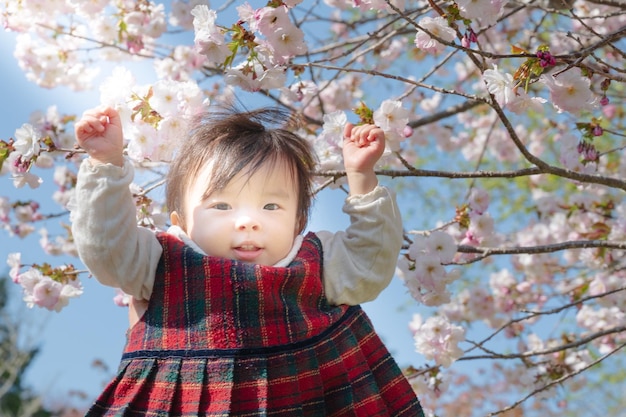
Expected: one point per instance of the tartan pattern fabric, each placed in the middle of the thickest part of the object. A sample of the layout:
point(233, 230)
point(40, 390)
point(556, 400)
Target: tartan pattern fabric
point(226, 338)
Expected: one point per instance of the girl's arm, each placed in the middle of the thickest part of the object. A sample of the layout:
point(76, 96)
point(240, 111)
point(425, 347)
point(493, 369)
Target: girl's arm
point(104, 226)
point(360, 262)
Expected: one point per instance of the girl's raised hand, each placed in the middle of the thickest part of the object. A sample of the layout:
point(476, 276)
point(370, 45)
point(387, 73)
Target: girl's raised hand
point(363, 146)
point(99, 133)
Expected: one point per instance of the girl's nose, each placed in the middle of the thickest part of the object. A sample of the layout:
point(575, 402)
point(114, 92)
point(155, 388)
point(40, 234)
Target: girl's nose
point(245, 222)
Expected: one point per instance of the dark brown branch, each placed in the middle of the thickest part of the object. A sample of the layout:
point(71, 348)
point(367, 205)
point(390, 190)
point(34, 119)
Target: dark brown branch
point(559, 380)
point(559, 348)
point(555, 247)
point(534, 314)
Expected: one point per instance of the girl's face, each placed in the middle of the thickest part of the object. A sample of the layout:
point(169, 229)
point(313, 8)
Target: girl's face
point(253, 219)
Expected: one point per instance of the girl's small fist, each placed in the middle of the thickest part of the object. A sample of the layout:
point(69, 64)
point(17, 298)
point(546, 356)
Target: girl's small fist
point(99, 133)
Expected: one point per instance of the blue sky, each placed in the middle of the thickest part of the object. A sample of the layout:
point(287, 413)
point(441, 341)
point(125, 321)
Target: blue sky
point(92, 327)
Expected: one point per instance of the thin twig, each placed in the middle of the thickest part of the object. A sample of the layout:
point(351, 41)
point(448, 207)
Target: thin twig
point(558, 381)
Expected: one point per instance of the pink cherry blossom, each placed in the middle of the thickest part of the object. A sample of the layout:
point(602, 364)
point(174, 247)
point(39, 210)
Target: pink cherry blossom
point(14, 262)
point(304, 90)
point(328, 144)
point(437, 339)
point(5, 209)
point(253, 77)
point(500, 84)
point(27, 141)
point(570, 91)
point(142, 144)
point(45, 293)
point(392, 118)
point(438, 26)
point(181, 13)
point(153, 21)
point(270, 19)
point(487, 11)
point(429, 273)
point(209, 39)
point(332, 129)
point(441, 245)
point(340, 94)
point(391, 115)
point(286, 42)
point(479, 200)
point(521, 102)
point(121, 299)
point(69, 290)
point(22, 178)
point(481, 227)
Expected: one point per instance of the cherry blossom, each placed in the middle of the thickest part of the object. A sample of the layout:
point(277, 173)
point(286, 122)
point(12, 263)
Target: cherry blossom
point(570, 91)
point(521, 102)
point(209, 39)
point(328, 145)
point(499, 84)
point(479, 200)
point(5, 209)
point(486, 11)
point(392, 118)
point(181, 14)
point(22, 178)
point(286, 43)
point(441, 245)
point(121, 299)
point(27, 141)
point(437, 339)
point(254, 77)
point(439, 28)
point(301, 91)
point(13, 260)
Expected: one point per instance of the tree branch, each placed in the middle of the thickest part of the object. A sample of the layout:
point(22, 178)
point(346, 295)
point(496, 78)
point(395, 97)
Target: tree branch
point(555, 247)
point(560, 348)
point(534, 314)
point(558, 381)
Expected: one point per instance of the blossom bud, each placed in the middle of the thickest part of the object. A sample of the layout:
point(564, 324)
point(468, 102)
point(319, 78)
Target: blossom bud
point(597, 130)
point(604, 101)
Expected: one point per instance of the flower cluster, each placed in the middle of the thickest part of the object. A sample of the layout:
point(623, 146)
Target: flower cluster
point(422, 269)
point(271, 41)
point(153, 115)
point(26, 149)
point(437, 339)
point(44, 286)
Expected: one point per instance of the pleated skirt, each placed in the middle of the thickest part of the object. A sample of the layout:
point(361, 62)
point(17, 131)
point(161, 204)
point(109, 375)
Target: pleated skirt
point(344, 371)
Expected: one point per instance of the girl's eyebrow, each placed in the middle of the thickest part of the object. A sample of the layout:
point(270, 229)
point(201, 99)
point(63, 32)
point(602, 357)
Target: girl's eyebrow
point(280, 193)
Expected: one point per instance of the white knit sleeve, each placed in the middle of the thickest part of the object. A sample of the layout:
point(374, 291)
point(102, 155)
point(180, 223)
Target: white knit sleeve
point(110, 244)
point(360, 261)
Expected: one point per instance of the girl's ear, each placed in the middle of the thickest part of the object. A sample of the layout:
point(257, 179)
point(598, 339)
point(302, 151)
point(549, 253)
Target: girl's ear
point(175, 219)
point(300, 225)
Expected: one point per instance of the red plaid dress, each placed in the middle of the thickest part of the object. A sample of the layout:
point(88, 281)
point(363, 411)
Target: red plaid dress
point(225, 338)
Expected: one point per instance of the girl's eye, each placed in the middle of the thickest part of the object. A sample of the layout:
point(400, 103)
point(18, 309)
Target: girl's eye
point(221, 206)
point(271, 206)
